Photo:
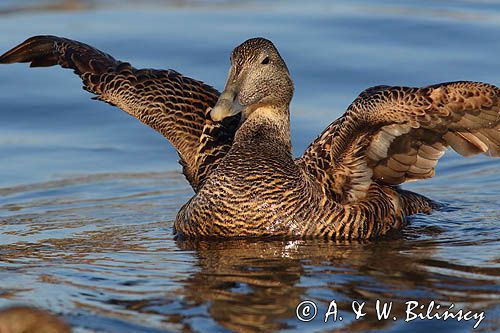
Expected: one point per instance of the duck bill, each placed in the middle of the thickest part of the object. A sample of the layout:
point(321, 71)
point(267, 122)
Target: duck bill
point(228, 104)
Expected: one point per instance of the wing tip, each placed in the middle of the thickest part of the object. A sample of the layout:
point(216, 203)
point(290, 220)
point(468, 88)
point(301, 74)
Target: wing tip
point(8, 57)
point(29, 50)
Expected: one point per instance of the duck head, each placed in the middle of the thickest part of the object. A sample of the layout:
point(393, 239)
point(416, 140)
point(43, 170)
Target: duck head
point(258, 78)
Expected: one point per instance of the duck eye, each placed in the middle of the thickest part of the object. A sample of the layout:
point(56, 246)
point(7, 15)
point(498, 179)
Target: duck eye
point(265, 61)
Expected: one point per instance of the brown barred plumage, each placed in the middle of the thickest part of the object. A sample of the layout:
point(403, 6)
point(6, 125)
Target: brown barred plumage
point(172, 104)
point(247, 183)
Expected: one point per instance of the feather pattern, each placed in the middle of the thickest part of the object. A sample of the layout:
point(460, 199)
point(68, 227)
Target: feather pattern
point(406, 131)
point(172, 104)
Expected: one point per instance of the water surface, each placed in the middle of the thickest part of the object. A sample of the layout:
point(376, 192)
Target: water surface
point(88, 195)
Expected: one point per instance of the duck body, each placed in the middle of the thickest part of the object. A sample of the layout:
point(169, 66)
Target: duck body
point(255, 202)
point(275, 196)
point(235, 147)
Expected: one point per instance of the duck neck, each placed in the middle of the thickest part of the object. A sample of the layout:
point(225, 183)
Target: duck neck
point(267, 129)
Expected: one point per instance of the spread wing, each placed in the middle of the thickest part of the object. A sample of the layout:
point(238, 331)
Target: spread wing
point(172, 104)
point(391, 135)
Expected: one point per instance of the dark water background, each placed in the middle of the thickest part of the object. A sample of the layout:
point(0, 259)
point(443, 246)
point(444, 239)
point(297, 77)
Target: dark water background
point(88, 195)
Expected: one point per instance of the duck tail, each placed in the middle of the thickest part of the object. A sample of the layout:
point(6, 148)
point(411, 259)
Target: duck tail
point(414, 203)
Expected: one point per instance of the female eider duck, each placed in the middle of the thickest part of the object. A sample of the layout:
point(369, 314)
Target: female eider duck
point(235, 147)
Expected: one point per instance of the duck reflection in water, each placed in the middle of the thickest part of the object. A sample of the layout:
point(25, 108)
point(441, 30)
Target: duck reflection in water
point(256, 286)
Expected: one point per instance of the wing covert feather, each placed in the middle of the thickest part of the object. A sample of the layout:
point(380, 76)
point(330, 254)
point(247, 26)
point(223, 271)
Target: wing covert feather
point(397, 134)
point(172, 104)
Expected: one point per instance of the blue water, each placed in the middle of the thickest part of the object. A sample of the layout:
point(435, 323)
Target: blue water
point(88, 195)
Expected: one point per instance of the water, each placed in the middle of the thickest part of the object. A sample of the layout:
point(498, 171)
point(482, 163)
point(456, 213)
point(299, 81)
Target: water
point(88, 195)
